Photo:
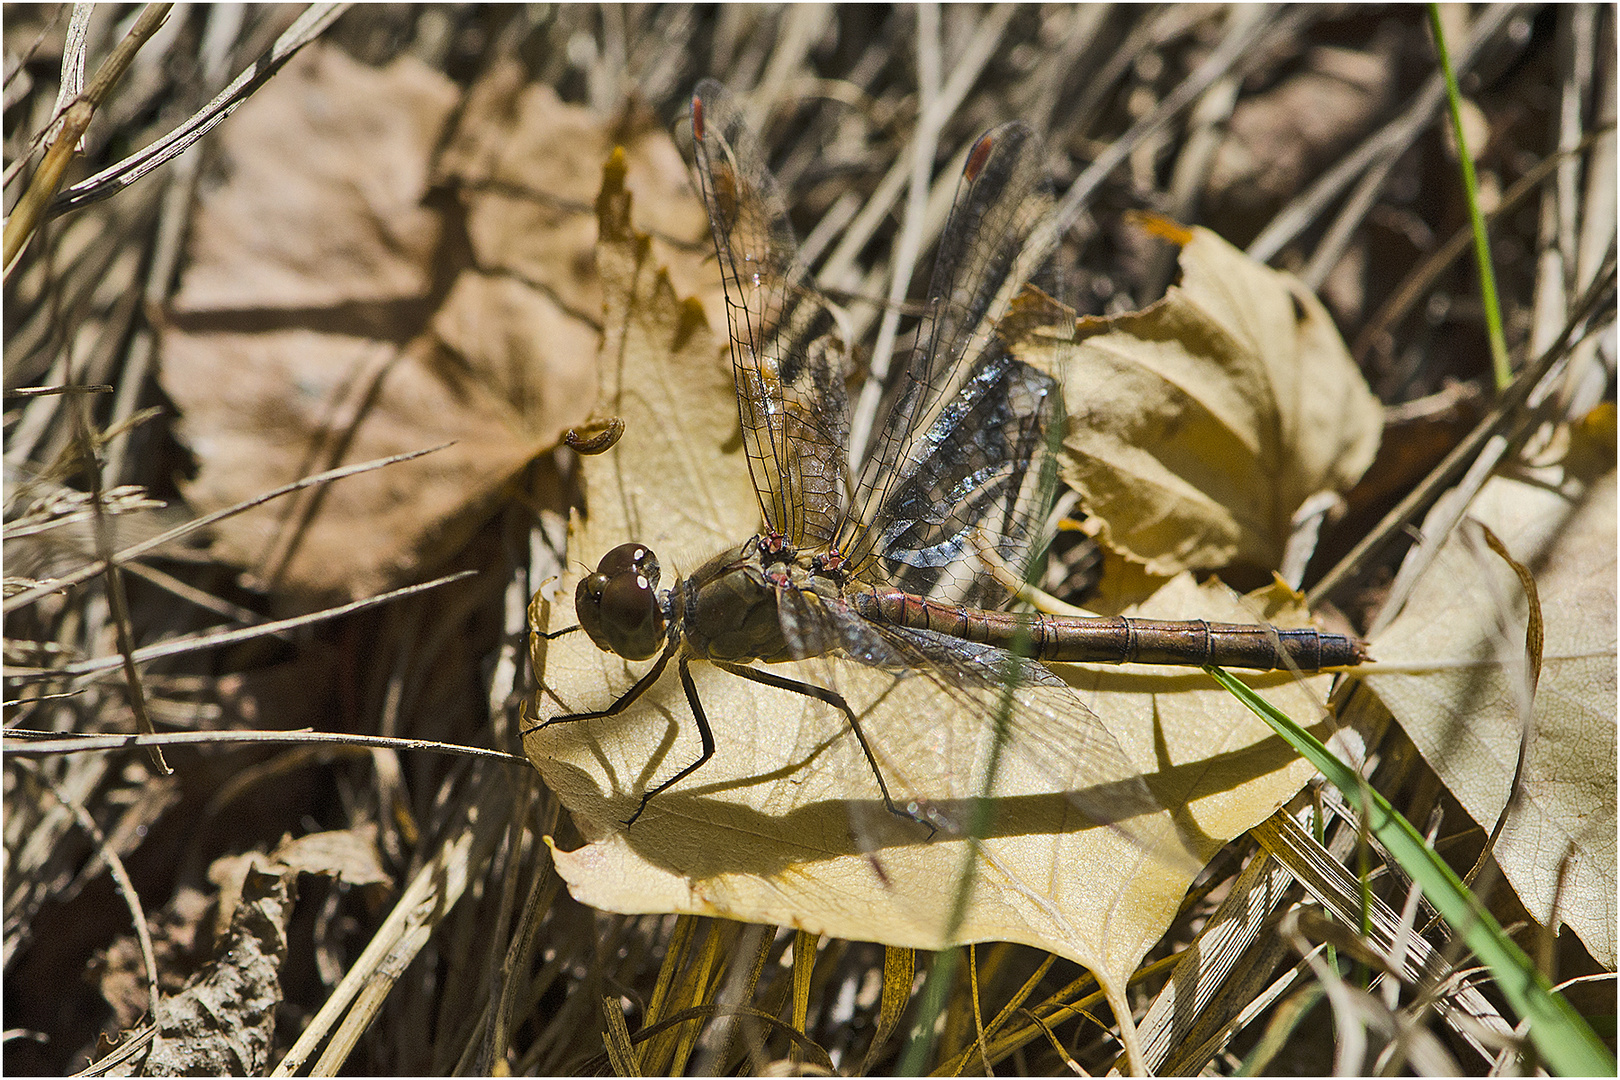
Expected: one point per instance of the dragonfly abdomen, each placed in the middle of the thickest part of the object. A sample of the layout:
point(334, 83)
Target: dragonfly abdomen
point(1117, 640)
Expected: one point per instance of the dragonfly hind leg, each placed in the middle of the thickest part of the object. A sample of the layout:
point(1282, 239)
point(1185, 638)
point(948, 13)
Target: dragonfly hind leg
point(836, 700)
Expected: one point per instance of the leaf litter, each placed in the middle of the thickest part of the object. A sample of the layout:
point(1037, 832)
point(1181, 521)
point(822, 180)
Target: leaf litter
point(325, 315)
point(455, 334)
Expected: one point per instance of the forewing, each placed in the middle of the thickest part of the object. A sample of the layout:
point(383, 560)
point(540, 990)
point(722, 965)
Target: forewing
point(786, 356)
point(963, 458)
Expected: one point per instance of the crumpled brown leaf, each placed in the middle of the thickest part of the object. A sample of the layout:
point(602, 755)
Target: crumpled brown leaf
point(784, 825)
point(331, 312)
point(346, 855)
point(1200, 424)
point(1456, 681)
point(222, 1022)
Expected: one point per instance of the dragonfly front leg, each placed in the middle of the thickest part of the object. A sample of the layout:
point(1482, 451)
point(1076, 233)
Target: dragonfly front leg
point(836, 700)
point(625, 700)
point(628, 698)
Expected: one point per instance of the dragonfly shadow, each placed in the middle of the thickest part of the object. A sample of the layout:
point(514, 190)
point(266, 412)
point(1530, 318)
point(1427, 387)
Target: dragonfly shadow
point(678, 829)
point(677, 832)
point(706, 828)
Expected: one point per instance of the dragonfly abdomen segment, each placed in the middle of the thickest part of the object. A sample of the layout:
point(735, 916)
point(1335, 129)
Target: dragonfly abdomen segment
point(1116, 640)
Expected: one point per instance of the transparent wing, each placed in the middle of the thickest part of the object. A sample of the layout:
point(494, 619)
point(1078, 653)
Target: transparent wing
point(787, 359)
point(963, 457)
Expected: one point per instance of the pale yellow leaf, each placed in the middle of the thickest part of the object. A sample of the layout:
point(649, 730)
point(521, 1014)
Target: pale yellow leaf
point(1200, 424)
point(1091, 848)
point(1457, 649)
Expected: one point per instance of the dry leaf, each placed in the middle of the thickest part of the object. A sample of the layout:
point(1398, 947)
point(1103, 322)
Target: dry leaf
point(1198, 425)
point(528, 167)
point(321, 205)
point(272, 422)
point(323, 320)
point(222, 1022)
point(1459, 644)
point(347, 855)
point(784, 825)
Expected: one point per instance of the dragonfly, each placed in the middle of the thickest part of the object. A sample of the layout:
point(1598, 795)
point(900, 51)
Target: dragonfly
point(886, 568)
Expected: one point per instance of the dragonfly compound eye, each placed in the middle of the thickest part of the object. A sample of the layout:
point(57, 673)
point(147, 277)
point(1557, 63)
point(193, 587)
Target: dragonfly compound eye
point(618, 605)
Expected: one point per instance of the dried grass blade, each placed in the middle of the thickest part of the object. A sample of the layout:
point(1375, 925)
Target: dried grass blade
point(1206, 967)
point(22, 599)
point(115, 178)
point(210, 639)
point(474, 828)
point(44, 743)
point(31, 208)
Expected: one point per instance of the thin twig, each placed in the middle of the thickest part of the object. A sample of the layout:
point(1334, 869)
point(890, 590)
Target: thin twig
point(121, 878)
point(174, 214)
point(117, 597)
point(30, 744)
point(213, 639)
point(134, 551)
point(68, 388)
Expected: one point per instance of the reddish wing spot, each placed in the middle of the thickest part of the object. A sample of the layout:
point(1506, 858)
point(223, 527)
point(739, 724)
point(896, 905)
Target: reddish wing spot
point(978, 156)
point(697, 118)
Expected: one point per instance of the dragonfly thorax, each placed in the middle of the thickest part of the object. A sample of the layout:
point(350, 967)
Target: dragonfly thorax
point(730, 607)
point(619, 606)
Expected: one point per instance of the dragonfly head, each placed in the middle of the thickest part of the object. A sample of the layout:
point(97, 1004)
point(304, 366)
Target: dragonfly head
point(618, 605)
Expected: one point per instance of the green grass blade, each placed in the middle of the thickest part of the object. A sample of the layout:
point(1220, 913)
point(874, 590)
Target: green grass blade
point(1565, 1041)
point(1476, 218)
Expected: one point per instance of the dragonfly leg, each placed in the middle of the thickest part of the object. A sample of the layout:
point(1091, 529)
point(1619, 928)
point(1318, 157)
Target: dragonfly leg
point(836, 700)
point(705, 733)
point(626, 699)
